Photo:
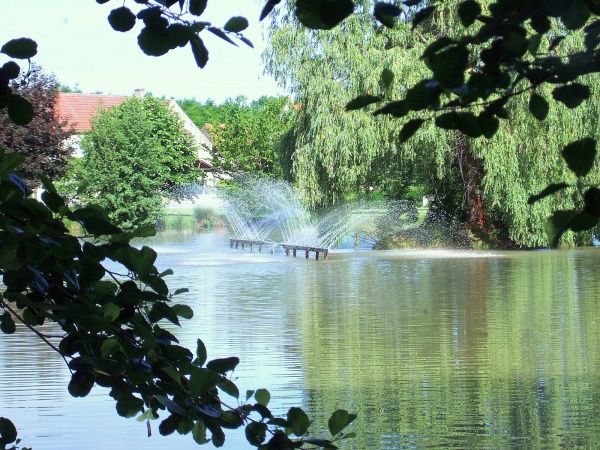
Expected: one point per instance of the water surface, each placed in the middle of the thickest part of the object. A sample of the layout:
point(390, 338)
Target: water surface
point(432, 349)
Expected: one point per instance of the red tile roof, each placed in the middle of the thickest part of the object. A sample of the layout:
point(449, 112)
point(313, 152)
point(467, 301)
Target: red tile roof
point(78, 109)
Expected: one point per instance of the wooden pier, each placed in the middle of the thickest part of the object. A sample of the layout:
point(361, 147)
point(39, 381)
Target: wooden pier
point(251, 243)
point(288, 248)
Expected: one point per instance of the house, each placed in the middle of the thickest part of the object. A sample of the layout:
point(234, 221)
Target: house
point(79, 109)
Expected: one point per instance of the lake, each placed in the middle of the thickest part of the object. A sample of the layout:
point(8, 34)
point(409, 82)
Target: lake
point(431, 348)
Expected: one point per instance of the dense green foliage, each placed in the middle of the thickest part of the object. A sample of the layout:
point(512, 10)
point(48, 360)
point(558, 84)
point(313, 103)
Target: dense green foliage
point(134, 157)
point(201, 113)
point(43, 140)
point(245, 135)
point(107, 324)
point(333, 152)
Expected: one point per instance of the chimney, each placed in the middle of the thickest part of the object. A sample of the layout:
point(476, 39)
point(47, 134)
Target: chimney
point(139, 92)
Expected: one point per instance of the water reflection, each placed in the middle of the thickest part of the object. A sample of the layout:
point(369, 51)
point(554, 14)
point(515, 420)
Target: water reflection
point(431, 349)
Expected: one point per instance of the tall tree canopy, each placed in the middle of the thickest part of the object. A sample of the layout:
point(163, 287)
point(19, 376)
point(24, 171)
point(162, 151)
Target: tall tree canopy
point(246, 135)
point(44, 140)
point(332, 151)
point(133, 158)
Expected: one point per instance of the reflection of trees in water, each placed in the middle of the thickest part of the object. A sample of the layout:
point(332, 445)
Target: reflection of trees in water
point(466, 352)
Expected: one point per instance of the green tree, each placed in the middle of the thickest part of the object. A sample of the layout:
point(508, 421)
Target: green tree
point(246, 137)
point(333, 152)
point(134, 157)
point(201, 113)
point(44, 140)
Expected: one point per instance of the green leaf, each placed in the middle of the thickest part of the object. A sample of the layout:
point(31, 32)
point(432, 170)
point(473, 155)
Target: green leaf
point(183, 311)
point(11, 70)
point(387, 78)
point(572, 95)
point(20, 110)
point(538, 106)
point(169, 425)
point(81, 383)
point(554, 42)
point(201, 354)
point(121, 19)
point(201, 381)
point(298, 421)
point(7, 324)
point(386, 13)
point(323, 14)
point(448, 66)
point(262, 396)
point(199, 433)
point(110, 347)
point(468, 12)
point(179, 35)
point(197, 7)
point(154, 41)
point(129, 406)
point(199, 50)
point(540, 23)
point(11, 161)
point(160, 311)
point(362, 101)
point(21, 48)
point(583, 221)
point(256, 433)
point(422, 15)
point(229, 387)
point(467, 123)
point(488, 124)
point(220, 33)
point(140, 261)
point(409, 129)
point(223, 365)
point(236, 24)
point(580, 156)
point(422, 96)
point(534, 44)
point(94, 221)
point(557, 224)
point(339, 420)
point(396, 109)
point(576, 15)
point(111, 311)
point(548, 190)
point(170, 404)
point(8, 431)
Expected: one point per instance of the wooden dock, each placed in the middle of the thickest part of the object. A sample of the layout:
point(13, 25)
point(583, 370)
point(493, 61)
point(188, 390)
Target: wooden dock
point(260, 244)
point(288, 248)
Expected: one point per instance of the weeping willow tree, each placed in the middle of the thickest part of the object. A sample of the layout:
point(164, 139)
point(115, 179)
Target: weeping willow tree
point(331, 153)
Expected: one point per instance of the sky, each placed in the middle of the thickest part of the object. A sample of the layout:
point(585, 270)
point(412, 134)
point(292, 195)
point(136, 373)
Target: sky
point(76, 43)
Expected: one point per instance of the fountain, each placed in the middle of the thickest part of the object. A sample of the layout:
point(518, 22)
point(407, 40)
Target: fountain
point(269, 212)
